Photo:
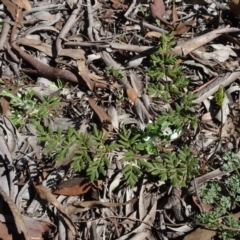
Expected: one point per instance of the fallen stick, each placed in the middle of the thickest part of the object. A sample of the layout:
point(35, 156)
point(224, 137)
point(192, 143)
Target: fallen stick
point(41, 68)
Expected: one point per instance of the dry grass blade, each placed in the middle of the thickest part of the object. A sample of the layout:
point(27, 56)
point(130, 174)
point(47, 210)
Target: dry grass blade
point(16, 214)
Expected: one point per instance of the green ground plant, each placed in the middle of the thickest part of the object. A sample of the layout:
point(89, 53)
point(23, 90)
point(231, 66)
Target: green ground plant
point(167, 76)
point(139, 149)
point(111, 71)
point(93, 150)
point(25, 106)
point(223, 196)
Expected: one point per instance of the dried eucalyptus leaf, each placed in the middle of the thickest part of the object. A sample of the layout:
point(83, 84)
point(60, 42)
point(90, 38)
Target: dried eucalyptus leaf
point(112, 113)
point(136, 83)
point(42, 15)
point(72, 3)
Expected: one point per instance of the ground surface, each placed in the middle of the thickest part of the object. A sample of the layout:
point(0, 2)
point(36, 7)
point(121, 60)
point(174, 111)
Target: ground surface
point(119, 119)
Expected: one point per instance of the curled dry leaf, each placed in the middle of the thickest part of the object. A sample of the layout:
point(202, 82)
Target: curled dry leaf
point(206, 207)
point(76, 186)
point(104, 118)
point(46, 194)
point(184, 27)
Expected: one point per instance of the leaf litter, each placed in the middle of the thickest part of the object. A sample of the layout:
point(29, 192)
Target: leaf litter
point(79, 76)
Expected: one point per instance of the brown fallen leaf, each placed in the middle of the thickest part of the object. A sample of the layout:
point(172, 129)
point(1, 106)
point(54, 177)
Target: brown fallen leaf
point(152, 34)
point(234, 6)
point(76, 186)
point(203, 206)
point(21, 227)
point(46, 194)
point(13, 8)
point(157, 10)
point(200, 234)
point(84, 73)
point(73, 53)
point(117, 4)
point(47, 48)
point(184, 27)
point(174, 12)
point(108, 14)
point(24, 4)
point(5, 107)
point(104, 118)
point(132, 95)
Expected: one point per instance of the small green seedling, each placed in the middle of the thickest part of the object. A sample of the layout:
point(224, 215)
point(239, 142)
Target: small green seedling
point(219, 95)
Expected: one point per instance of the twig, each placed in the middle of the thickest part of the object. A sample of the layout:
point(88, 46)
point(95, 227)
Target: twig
point(42, 69)
point(90, 20)
point(149, 26)
point(118, 46)
point(48, 7)
point(40, 28)
point(130, 8)
point(200, 180)
point(210, 89)
point(4, 33)
point(68, 25)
